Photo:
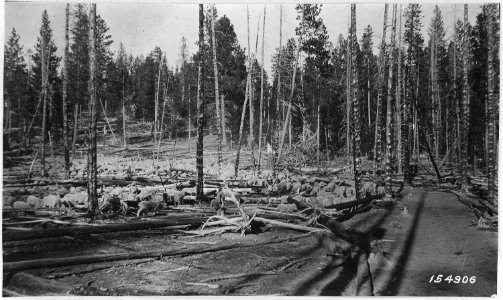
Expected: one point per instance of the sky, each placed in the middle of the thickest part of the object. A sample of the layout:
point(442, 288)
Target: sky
point(142, 26)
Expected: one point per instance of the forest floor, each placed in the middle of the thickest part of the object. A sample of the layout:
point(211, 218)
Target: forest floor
point(429, 232)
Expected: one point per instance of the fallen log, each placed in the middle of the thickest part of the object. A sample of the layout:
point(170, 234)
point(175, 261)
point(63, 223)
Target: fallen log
point(48, 233)
point(287, 225)
point(76, 260)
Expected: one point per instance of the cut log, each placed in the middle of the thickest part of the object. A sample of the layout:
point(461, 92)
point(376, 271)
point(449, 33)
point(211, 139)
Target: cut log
point(76, 260)
point(287, 225)
point(48, 233)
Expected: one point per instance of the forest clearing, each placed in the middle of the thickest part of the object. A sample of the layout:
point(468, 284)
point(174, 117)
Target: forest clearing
point(348, 169)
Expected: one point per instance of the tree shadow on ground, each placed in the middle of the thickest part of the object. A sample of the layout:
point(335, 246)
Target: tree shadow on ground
point(393, 285)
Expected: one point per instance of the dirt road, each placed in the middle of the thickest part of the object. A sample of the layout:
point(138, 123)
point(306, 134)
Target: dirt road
point(436, 237)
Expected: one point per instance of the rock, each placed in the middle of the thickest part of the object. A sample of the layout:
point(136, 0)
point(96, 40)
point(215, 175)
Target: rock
point(284, 199)
point(8, 200)
point(326, 202)
point(20, 204)
point(75, 199)
point(340, 191)
point(34, 201)
point(296, 188)
point(51, 201)
point(73, 190)
point(178, 197)
point(299, 198)
point(336, 200)
point(380, 190)
point(350, 191)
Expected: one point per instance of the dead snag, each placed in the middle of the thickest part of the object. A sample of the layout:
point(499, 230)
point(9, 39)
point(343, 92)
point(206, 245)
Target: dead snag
point(65, 89)
point(92, 159)
point(389, 118)
point(200, 108)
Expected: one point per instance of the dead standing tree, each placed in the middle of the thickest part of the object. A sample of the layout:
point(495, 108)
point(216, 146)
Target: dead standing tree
point(261, 109)
point(355, 103)
point(464, 115)
point(65, 95)
point(247, 95)
point(200, 108)
point(92, 171)
point(45, 86)
point(289, 109)
point(380, 84)
point(389, 118)
point(491, 107)
point(217, 97)
point(398, 99)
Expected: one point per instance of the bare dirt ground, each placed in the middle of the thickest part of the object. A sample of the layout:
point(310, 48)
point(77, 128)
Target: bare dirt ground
point(429, 232)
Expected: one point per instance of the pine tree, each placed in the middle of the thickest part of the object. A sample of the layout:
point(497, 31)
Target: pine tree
point(380, 84)
point(200, 109)
point(15, 92)
point(413, 38)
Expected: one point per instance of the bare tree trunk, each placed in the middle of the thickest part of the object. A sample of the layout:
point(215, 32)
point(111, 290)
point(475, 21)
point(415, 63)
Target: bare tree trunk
point(251, 89)
point(318, 135)
point(261, 109)
point(380, 84)
point(200, 108)
point(44, 109)
point(217, 96)
point(355, 103)
point(389, 120)
point(279, 116)
point(491, 101)
point(240, 138)
point(92, 184)
point(288, 112)
point(190, 123)
point(465, 116)
point(348, 94)
point(399, 97)
point(124, 113)
point(65, 89)
point(224, 129)
point(156, 104)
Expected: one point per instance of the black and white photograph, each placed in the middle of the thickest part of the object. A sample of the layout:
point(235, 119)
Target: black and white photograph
point(154, 148)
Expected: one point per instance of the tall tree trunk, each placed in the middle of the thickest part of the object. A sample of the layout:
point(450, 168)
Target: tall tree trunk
point(491, 101)
point(251, 89)
point(389, 120)
point(399, 97)
point(240, 138)
point(456, 99)
point(190, 122)
point(200, 108)
point(44, 109)
point(355, 104)
point(217, 96)
point(65, 89)
point(318, 134)
point(279, 116)
point(224, 129)
point(92, 184)
point(156, 104)
point(348, 93)
point(288, 112)
point(465, 116)
point(124, 112)
point(380, 84)
point(261, 108)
